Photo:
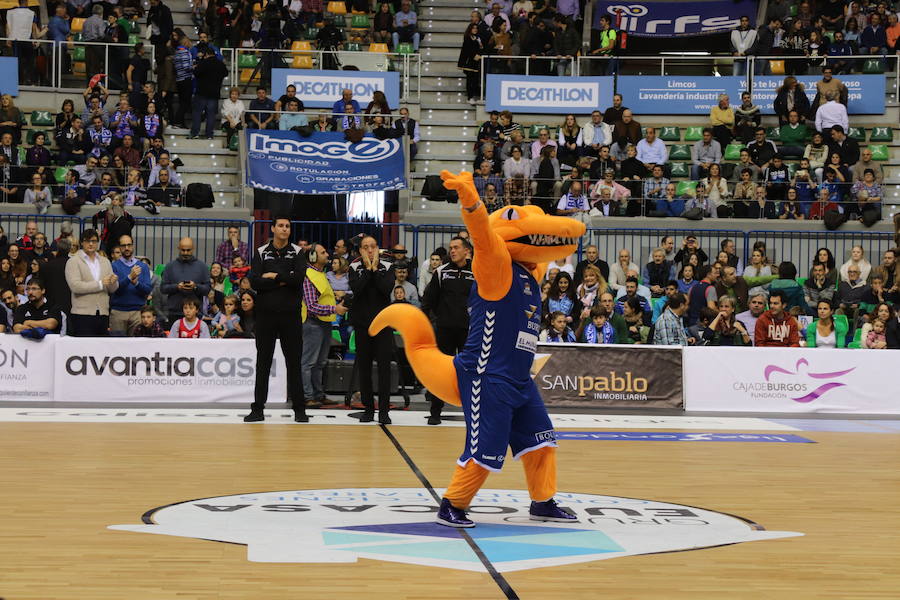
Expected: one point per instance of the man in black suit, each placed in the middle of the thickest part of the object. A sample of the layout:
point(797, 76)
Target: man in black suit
point(406, 126)
point(847, 147)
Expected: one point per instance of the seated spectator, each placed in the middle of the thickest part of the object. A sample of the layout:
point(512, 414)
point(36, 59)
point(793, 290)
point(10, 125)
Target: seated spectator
point(123, 122)
point(817, 154)
point(38, 195)
point(64, 118)
point(405, 26)
point(129, 154)
point(669, 328)
point(149, 326)
point(618, 271)
point(722, 119)
point(873, 39)
point(38, 155)
point(263, 120)
point(818, 287)
point(634, 289)
point(516, 165)
point(545, 170)
point(625, 132)
point(867, 194)
point(570, 142)
point(776, 327)
point(383, 24)
point(651, 150)
point(596, 328)
point(490, 130)
point(557, 330)
point(350, 120)
point(189, 325)
point(378, 106)
point(101, 193)
point(239, 269)
point(292, 117)
point(669, 205)
point(823, 205)
point(686, 279)
point(410, 127)
point(163, 163)
point(748, 117)
point(749, 317)
point(726, 329)
point(700, 201)
point(36, 317)
point(542, 142)
point(793, 136)
point(876, 338)
point(595, 134)
point(74, 142)
point(837, 50)
point(739, 286)
point(657, 273)
point(790, 96)
point(892, 32)
point(791, 208)
point(574, 203)
point(866, 163)
point(11, 119)
point(485, 176)
point(163, 192)
point(761, 150)
point(777, 178)
point(704, 152)
point(487, 153)
point(745, 162)
point(617, 193)
point(113, 222)
point(787, 284)
point(655, 186)
point(562, 298)
point(846, 147)
point(857, 259)
point(825, 331)
point(100, 136)
point(516, 140)
point(232, 114)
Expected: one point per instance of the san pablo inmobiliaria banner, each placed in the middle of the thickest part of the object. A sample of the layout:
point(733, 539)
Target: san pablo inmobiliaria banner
point(322, 163)
point(124, 370)
point(609, 375)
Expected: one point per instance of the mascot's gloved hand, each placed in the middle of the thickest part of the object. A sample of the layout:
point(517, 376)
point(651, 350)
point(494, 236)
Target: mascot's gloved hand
point(464, 186)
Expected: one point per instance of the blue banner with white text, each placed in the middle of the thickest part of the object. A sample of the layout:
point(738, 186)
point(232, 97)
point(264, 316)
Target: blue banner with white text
point(9, 75)
point(324, 163)
point(560, 95)
point(668, 19)
point(320, 89)
point(683, 95)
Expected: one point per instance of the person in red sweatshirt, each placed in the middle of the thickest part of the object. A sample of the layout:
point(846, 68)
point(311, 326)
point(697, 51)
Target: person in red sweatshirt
point(776, 328)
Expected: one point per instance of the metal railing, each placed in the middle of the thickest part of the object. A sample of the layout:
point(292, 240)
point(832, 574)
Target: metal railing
point(157, 238)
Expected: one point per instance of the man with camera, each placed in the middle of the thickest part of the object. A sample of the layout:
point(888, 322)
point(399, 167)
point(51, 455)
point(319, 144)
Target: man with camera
point(372, 283)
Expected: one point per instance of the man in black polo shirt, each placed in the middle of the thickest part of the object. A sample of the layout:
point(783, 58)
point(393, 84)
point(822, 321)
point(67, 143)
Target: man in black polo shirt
point(446, 301)
point(277, 270)
point(36, 317)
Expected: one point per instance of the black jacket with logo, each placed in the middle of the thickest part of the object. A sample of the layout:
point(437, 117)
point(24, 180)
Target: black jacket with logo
point(372, 291)
point(290, 265)
point(446, 296)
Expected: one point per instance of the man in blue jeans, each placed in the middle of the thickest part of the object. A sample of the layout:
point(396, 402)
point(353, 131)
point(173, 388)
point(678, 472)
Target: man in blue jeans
point(320, 309)
point(208, 73)
point(134, 287)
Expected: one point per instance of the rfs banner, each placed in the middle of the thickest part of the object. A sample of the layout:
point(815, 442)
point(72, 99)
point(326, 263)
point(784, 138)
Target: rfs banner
point(667, 19)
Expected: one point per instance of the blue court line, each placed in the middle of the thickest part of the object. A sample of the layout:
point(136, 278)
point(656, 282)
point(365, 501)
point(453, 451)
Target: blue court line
point(842, 426)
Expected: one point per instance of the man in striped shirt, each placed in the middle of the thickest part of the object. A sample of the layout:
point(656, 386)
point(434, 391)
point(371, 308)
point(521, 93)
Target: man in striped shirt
point(184, 79)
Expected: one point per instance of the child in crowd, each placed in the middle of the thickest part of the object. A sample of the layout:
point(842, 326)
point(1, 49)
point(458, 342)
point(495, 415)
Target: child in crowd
point(227, 319)
point(599, 330)
point(876, 340)
point(149, 326)
point(189, 326)
point(239, 269)
point(400, 295)
point(558, 332)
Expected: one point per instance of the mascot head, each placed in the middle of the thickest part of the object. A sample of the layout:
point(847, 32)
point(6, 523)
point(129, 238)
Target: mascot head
point(534, 237)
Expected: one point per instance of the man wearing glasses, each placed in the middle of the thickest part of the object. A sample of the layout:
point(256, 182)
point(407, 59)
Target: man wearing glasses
point(91, 279)
point(134, 287)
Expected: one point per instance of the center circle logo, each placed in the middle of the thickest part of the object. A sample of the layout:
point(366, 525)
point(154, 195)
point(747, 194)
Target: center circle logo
point(397, 525)
point(279, 167)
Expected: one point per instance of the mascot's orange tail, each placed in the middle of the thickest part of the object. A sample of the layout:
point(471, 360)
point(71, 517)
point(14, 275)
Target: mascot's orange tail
point(433, 368)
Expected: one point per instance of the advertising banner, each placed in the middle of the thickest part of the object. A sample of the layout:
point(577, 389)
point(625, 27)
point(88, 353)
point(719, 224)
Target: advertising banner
point(865, 93)
point(323, 163)
point(697, 95)
point(667, 19)
point(321, 89)
point(790, 380)
point(561, 95)
point(9, 75)
point(25, 372)
point(160, 370)
point(615, 375)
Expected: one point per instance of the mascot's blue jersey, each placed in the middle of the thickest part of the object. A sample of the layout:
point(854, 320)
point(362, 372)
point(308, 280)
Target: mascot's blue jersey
point(503, 334)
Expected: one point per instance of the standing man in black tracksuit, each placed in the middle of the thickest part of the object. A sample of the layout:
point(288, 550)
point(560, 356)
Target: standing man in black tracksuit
point(446, 300)
point(277, 271)
point(372, 283)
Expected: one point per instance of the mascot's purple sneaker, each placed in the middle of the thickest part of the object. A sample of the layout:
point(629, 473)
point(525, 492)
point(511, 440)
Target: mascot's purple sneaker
point(549, 511)
point(451, 516)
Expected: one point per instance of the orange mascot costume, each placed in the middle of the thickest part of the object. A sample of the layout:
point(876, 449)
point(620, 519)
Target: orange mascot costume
point(491, 377)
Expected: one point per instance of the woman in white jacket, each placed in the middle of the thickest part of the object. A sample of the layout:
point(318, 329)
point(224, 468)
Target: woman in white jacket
point(516, 165)
point(716, 190)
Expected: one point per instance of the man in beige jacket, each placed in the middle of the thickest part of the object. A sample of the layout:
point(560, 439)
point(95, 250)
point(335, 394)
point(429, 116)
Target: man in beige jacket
point(91, 279)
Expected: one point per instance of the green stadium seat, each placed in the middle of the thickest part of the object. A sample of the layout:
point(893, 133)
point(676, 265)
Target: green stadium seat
point(773, 133)
point(856, 344)
point(685, 188)
point(312, 33)
point(643, 132)
point(857, 133)
point(133, 38)
point(881, 134)
point(879, 151)
point(352, 47)
point(873, 66)
point(733, 151)
point(792, 10)
point(233, 143)
point(534, 130)
point(670, 134)
point(158, 270)
point(801, 281)
point(21, 154)
point(78, 53)
point(247, 60)
point(680, 152)
point(404, 48)
point(340, 21)
point(59, 174)
point(359, 22)
point(679, 169)
point(694, 133)
point(48, 137)
point(41, 118)
point(78, 37)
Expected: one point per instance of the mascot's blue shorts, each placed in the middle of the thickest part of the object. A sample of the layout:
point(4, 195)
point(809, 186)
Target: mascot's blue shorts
point(501, 413)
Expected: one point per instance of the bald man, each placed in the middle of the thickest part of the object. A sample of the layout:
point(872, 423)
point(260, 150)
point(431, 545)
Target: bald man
point(184, 277)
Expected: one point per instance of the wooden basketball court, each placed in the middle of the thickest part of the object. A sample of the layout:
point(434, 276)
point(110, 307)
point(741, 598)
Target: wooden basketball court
point(65, 483)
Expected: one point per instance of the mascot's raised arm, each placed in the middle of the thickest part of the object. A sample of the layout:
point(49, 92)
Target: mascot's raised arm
point(491, 377)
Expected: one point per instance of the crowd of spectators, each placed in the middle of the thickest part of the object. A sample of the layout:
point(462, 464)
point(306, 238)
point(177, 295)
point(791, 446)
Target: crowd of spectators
point(609, 165)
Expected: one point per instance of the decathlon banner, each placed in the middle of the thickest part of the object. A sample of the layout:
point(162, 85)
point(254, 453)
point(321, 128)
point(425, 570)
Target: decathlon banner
point(667, 19)
point(865, 93)
point(322, 89)
point(677, 95)
point(26, 367)
point(323, 163)
point(614, 376)
point(528, 93)
point(126, 370)
point(790, 380)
